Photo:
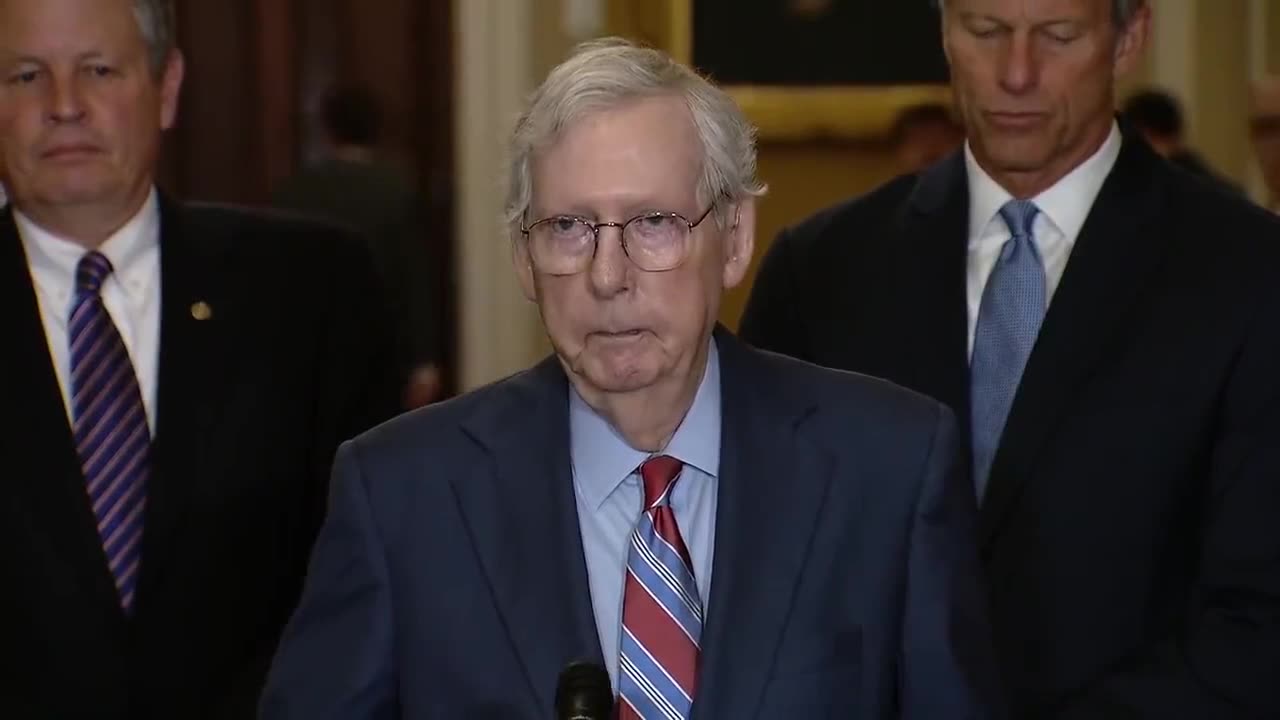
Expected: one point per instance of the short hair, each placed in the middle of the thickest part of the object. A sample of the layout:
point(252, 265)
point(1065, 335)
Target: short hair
point(607, 73)
point(159, 25)
point(1122, 11)
point(928, 114)
point(1156, 112)
point(351, 116)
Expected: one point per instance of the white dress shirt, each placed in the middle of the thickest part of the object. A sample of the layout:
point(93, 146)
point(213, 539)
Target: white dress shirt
point(1063, 209)
point(131, 294)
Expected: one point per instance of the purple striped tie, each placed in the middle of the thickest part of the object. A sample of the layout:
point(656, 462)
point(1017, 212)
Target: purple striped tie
point(110, 426)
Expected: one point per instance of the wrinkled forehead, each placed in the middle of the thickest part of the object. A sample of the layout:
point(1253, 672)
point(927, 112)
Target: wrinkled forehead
point(639, 155)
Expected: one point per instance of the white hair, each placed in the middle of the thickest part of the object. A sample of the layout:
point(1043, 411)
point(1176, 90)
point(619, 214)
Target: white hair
point(156, 19)
point(604, 74)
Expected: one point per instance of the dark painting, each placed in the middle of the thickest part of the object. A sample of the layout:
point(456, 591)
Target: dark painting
point(819, 42)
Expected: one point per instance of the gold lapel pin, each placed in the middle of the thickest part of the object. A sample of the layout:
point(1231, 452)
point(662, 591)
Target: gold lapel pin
point(201, 311)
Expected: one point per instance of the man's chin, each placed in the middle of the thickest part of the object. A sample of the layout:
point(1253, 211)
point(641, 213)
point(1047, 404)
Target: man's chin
point(1008, 159)
point(71, 195)
point(609, 378)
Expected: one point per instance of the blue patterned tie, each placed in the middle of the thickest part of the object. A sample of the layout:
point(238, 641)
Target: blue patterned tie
point(1013, 306)
point(110, 426)
point(661, 608)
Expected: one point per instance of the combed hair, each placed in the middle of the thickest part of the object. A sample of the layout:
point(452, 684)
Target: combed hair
point(158, 23)
point(607, 73)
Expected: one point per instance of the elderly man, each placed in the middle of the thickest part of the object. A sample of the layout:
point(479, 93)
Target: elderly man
point(176, 381)
point(1106, 326)
point(729, 533)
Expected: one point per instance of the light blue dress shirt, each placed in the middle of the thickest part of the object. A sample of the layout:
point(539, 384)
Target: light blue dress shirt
point(610, 498)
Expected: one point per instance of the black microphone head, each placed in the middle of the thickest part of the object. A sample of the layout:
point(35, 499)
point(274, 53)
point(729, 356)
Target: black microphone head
point(584, 692)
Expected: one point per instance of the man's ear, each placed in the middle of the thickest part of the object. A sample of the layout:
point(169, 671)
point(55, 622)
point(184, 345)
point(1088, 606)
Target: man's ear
point(171, 88)
point(740, 240)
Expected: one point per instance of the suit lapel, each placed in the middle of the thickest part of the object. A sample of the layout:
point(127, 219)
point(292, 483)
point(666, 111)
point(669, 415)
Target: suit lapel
point(196, 346)
point(47, 475)
point(770, 491)
point(1112, 259)
point(928, 274)
point(521, 510)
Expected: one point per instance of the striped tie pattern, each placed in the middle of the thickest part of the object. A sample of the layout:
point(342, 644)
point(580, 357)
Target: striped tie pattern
point(110, 426)
point(661, 608)
point(1013, 306)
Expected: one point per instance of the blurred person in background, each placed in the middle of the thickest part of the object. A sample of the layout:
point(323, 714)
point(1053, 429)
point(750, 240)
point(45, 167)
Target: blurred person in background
point(1105, 326)
point(355, 186)
point(176, 380)
point(1157, 116)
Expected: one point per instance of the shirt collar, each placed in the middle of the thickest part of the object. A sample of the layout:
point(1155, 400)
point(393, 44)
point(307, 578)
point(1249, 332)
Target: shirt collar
point(1065, 204)
point(602, 459)
point(127, 248)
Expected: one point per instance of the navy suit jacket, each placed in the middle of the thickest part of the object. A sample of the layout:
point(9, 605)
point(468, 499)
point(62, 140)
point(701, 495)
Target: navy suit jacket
point(1128, 532)
point(449, 578)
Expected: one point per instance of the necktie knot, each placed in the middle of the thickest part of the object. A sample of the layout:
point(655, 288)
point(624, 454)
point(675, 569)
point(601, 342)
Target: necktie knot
point(1019, 216)
point(658, 473)
point(91, 272)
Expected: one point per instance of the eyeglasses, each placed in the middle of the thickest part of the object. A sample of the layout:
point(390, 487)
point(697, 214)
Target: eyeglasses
point(654, 241)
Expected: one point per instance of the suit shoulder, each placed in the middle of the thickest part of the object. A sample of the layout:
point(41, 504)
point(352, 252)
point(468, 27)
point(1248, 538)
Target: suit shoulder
point(853, 399)
point(263, 228)
point(833, 223)
point(437, 431)
point(1223, 229)
point(279, 245)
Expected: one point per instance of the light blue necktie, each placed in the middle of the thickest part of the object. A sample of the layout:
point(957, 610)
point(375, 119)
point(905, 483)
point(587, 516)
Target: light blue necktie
point(1013, 306)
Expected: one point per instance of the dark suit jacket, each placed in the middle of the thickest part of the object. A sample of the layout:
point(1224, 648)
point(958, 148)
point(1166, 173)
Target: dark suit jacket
point(449, 580)
point(252, 404)
point(1129, 531)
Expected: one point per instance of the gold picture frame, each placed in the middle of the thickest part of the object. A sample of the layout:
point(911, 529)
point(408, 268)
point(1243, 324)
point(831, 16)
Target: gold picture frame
point(781, 114)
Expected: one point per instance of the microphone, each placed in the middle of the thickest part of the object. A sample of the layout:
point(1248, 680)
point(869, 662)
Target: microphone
point(584, 693)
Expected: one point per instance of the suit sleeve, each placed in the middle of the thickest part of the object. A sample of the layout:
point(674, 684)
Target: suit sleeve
point(1224, 660)
point(769, 320)
point(336, 658)
point(948, 657)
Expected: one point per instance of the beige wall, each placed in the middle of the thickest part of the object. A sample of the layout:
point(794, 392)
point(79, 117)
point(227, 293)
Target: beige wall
point(1206, 52)
point(498, 331)
point(1220, 67)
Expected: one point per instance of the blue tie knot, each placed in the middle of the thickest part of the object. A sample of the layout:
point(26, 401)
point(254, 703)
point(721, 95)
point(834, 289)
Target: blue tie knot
point(91, 272)
point(1019, 215)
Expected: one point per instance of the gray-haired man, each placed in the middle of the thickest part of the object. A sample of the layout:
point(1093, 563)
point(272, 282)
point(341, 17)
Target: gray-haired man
point(175, 382)
point(729, 533)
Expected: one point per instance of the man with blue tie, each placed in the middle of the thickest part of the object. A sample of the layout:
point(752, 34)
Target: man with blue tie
point(1105, 326)
point(171, 400)
point(730, 533)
